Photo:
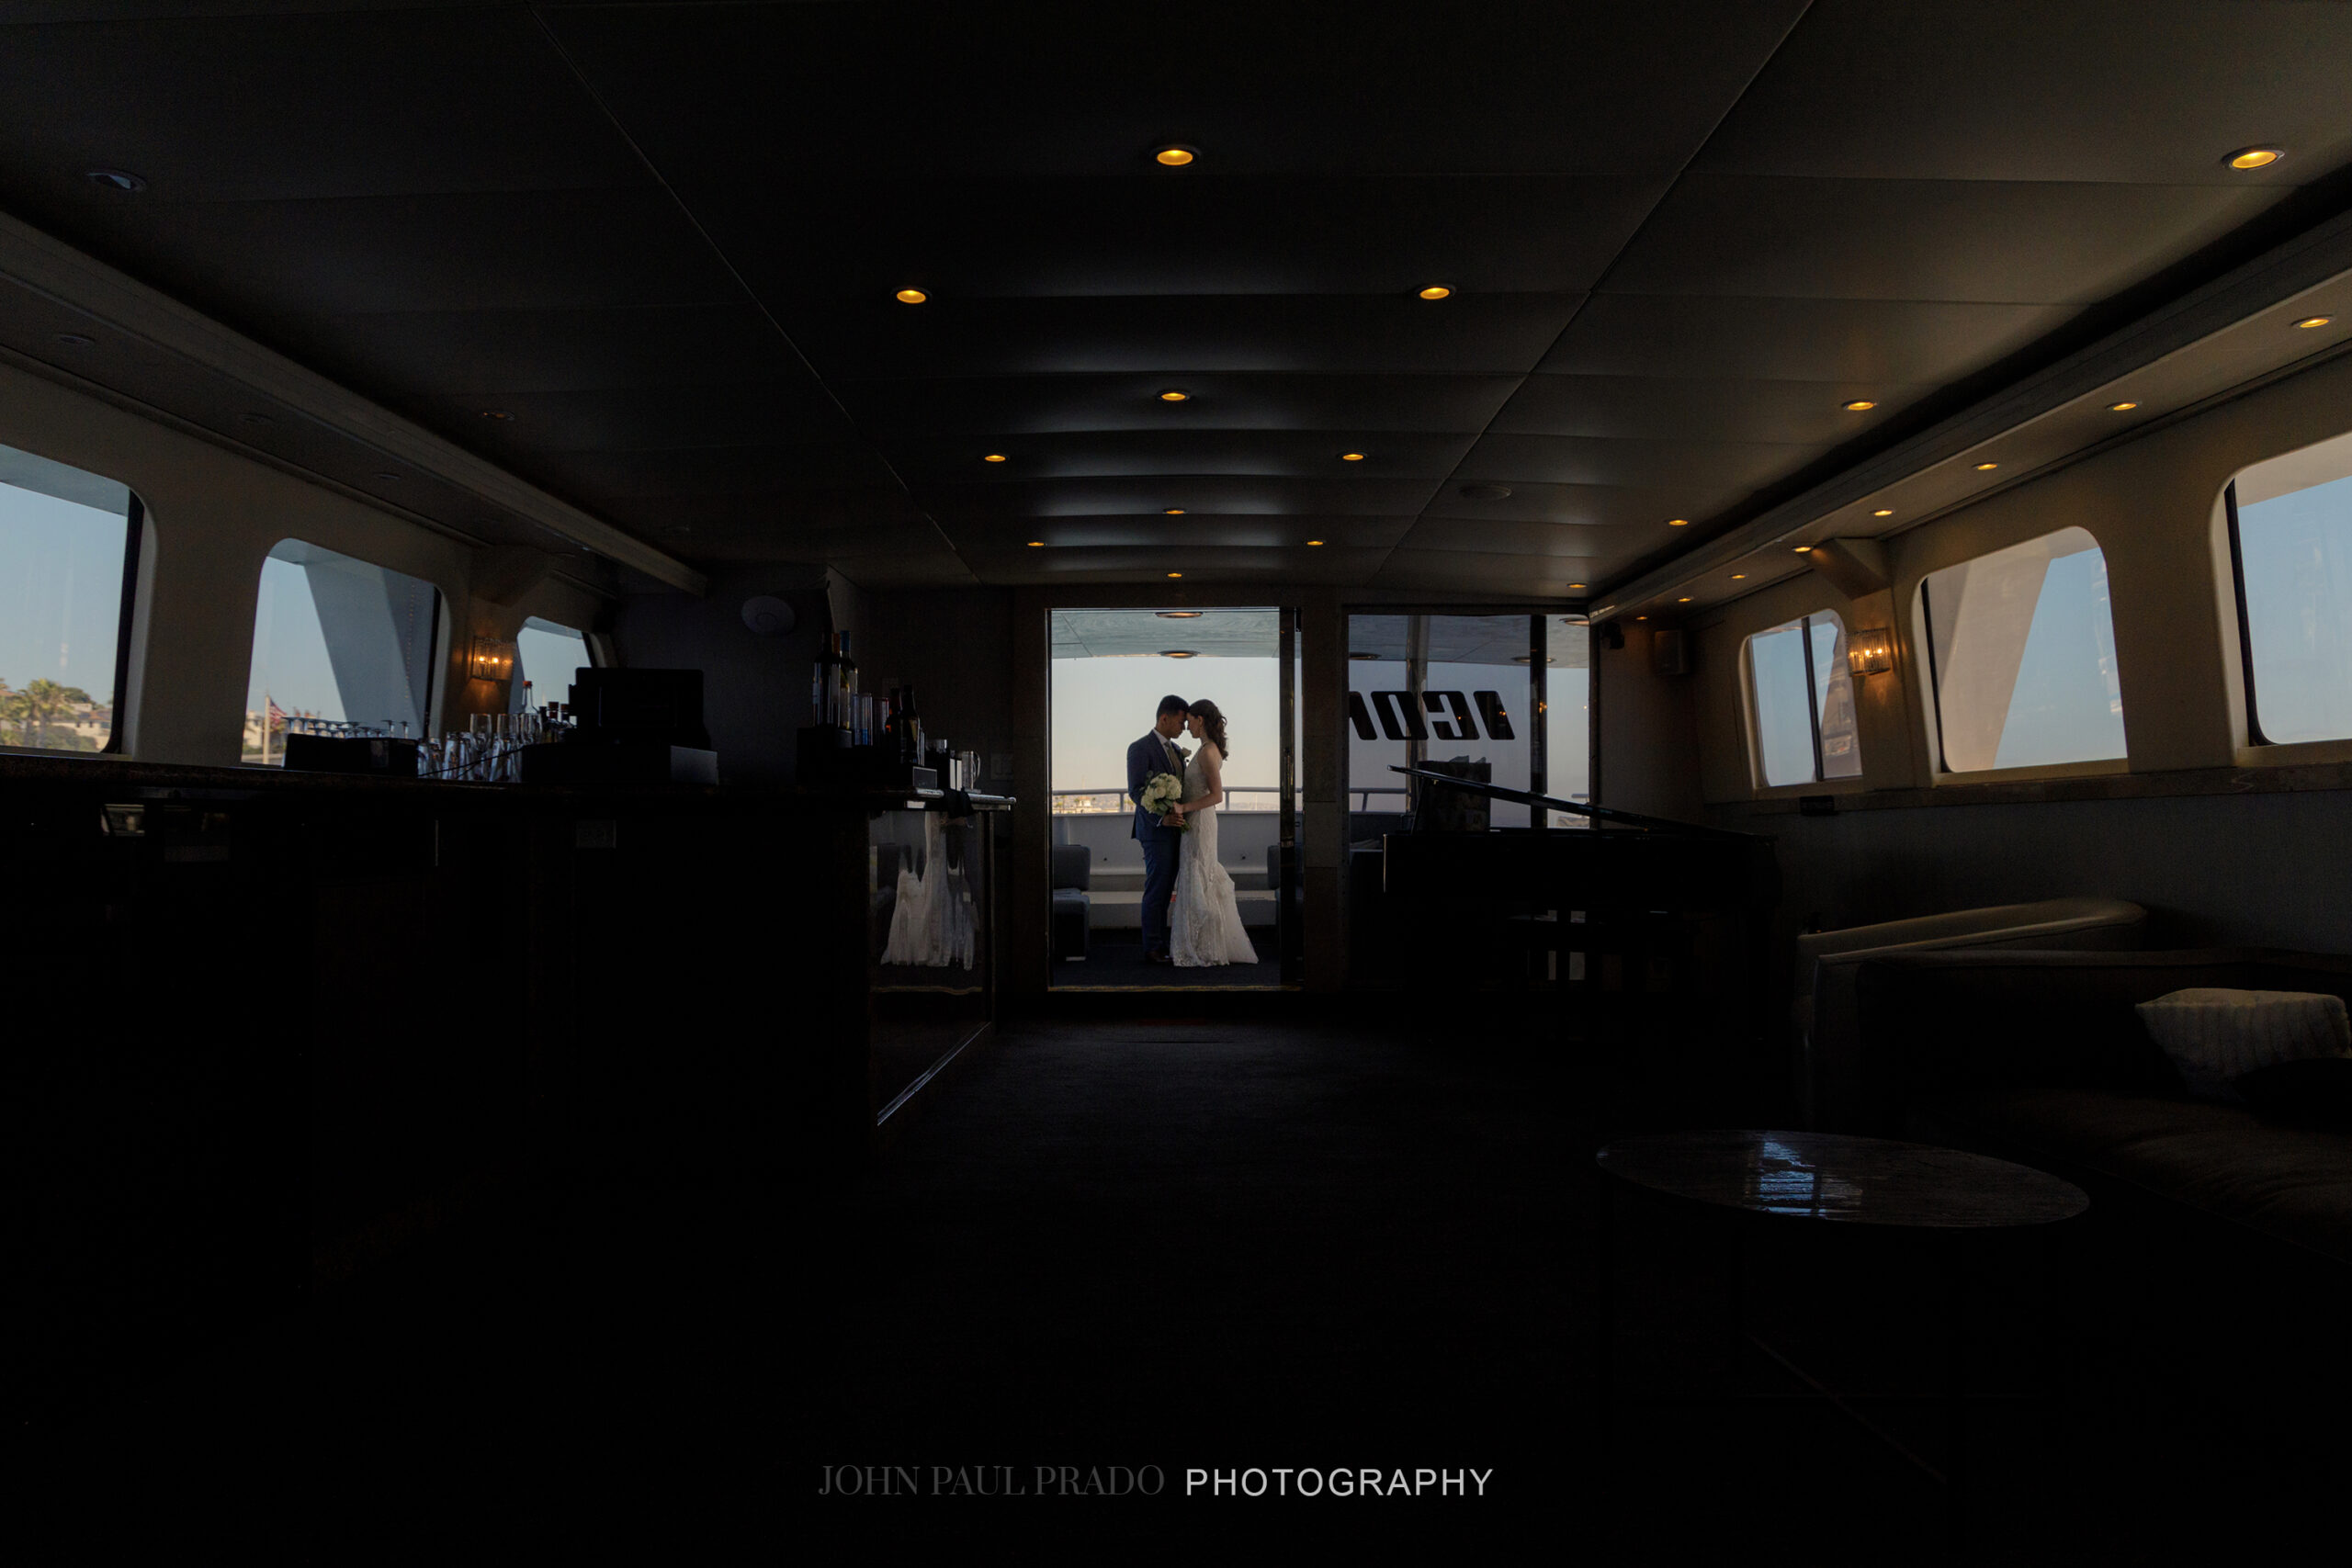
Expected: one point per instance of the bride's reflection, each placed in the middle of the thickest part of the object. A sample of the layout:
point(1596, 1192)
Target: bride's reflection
point(931, 919)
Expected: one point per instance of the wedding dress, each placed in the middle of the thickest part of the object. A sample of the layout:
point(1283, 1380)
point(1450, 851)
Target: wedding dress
point(1205, 929)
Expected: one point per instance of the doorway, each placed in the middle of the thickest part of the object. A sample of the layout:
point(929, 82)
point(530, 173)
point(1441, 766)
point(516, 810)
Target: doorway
point(1111, 668)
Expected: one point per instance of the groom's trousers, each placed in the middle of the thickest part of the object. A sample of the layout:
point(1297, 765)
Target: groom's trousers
point(1160, 846)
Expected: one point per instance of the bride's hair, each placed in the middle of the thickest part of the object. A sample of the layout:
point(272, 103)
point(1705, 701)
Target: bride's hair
point(1212, 725)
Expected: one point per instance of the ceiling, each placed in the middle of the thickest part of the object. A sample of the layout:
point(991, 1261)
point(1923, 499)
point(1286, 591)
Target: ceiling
point(662, 242)
point(1148, 633)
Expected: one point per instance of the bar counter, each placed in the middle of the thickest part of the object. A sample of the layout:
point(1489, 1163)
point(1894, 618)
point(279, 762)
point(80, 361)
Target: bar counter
point(329, 1013)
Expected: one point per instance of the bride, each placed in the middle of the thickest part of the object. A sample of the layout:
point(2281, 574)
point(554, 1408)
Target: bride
point(1206, 926)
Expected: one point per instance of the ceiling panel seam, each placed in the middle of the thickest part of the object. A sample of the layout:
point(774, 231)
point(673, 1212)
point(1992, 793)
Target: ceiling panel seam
point(1598, 283)
point(2307, 261)
point(47, 266)
point(546, 31)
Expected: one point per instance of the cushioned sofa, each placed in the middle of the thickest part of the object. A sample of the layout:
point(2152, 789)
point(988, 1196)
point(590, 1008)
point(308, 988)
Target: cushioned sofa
point(1829, 1090)
point(2040, 1057)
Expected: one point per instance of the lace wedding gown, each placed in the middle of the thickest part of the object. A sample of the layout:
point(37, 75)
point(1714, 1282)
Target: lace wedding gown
point(1205, 929)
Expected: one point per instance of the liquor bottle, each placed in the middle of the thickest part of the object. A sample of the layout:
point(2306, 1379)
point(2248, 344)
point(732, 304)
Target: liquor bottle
point(847, 667)
point(822, 683)
point(909, 720)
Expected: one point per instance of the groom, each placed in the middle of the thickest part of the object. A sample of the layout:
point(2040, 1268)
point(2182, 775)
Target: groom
point(1156, 753)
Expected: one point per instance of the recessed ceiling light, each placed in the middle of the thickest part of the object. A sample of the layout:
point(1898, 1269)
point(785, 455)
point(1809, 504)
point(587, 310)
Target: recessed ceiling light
point(1037, 543)
point(1805, 549)
point(1175, 574)
point(1485, 492)
point(1176, 653)
point(1737, 575)
point(1986, 467)
point(1174, 395)
point(2121, 407)
point(1352, 456)
point(911, 297)
point(1177, 614)
point(2255, 157)
point(1860, 405)
point(1684, 600)
point(1435, 291)
point(1173, 157)
point(117, 179)
point(1313, 544)
point(1641, 617)
point(1884, 512)
point(496, 413)
point(993, 457)
point(1173, 510)
point(77, 339)
point(1677, 522)
point(1576, 587)
point(2308, 322)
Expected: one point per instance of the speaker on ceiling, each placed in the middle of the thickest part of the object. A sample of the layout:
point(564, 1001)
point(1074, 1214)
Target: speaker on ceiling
point(768, 616)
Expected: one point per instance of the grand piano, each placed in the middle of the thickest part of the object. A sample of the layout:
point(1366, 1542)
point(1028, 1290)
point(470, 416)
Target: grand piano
point(1654, 932)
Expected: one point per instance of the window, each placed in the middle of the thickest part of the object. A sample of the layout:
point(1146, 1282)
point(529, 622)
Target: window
point(1446, 688)
point(337, 642)
point(2290, 537)
point(1804, 698)
point(68, 560)
point(547, 656)
point(2021, 656)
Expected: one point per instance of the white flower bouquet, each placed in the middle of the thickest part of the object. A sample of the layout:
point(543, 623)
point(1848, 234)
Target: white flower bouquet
point(1160, 796)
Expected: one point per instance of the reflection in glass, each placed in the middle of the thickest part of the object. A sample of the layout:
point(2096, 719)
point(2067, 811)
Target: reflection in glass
point(63, 534)
point(2023, 647)
point(338, 639)
point(2294, 538)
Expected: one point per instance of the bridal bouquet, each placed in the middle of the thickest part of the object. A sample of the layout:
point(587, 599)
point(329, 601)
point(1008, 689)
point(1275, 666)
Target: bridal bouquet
point(1161, 795)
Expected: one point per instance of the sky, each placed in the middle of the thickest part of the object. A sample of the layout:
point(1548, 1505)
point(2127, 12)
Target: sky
point(2298, 551)
point(2066, 706)
point(290, 650)
point(61, 591)
point(549, 660)
point(1103, 705)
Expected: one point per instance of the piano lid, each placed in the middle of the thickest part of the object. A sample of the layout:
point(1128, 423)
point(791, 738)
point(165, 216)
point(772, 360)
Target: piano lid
point(1599, 816)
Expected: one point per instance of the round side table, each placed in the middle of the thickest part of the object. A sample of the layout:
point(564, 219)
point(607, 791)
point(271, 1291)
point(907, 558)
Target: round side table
point(1770, 1179)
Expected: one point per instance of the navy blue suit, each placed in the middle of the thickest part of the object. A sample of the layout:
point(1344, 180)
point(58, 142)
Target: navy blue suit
point(1148, 755)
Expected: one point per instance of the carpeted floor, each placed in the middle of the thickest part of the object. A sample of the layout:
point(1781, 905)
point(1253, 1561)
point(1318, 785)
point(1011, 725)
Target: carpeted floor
point(1183, 1245)
point(1114, 962)
point(1228, 1246)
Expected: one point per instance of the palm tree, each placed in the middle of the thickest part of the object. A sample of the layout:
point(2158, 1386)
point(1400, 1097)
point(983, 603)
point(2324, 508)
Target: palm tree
point(39, 705)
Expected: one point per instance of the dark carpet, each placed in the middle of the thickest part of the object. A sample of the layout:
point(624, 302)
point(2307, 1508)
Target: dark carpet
point(1115, 960)
point(1215, 1248)
point(1124, 1249)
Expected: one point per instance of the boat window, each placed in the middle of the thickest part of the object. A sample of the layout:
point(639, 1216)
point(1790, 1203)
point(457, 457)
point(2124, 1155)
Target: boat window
point(1439, 690)
point(2290, 537)
point(547, 656)
point(1804, 701)
point(2022, 651)
point(341, 646)
point(67, 562)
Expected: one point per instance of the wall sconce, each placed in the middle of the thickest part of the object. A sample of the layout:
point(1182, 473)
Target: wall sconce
point(1870, 651)
point(491, 659)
